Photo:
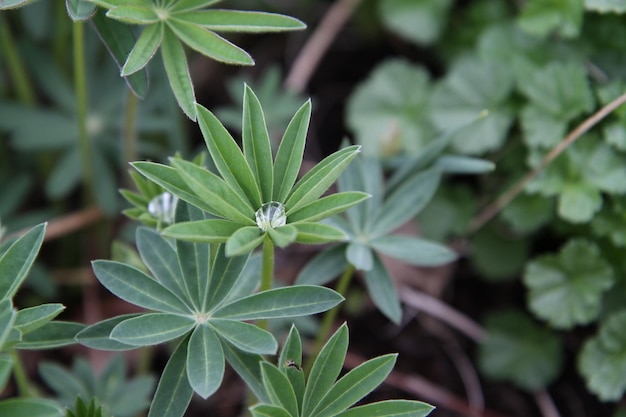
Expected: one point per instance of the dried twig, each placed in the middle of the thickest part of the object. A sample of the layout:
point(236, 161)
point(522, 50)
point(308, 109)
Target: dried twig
point(470, 328)
point(494, 208)
point(69, 223)
point(312, 52)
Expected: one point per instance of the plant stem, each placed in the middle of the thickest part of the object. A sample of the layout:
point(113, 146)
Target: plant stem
point(267, 271)
point(21, 378)
point(501, 202)
point(329, 318)
point(80, 85)
point(23, 87)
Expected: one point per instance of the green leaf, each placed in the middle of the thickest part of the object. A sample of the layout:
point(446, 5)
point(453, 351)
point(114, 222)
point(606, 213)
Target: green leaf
point(606, 6)
point(566, 289)
point(161, 259)
point(279, 388)
point(247, 367)
point(64, 383)
point(12, 4)
point(228, 158)
point(360, 255)
point(244, 240)
point(119, 40)
point(518, 351)
point(183, 5)
point(602, 359)
point(152, 329)
point(289, 155)
point(457, 164)
point(205, 361)
point(327, 206)
point(134, 14)
point(215, 192)
point(173, 393)
point(528, 212)
point(579, 202)
point(498, 255)
point(7, 318)
point(541, 17)
point(134, 286)
point(97, 336)
point(420, 22)
point(542, 129)
point(80, 9)
point(363, 174)
point(194, 259)
point(209, 43)
point(177, 71)
point(355, 385)
point(6, 366)
point(30, 407)
point(203, 231)
point(325, 370)
point(256, 144)
point(170, 180)
point(292, 353)
point(51, 335)
point(472, 86)
point(29, 319)
point(318, 233)
point(414, 251)
point(241, 21)
point(144, 49)
point(390, 408)
point(315, 182)
point(245, 336)
point(283, 236)
point(383, 291)
point(324, 267)
point(17, 260)
point(225, 277)
point(299, 300)
point(266, 410)
point(405, 202)
point(389, 111)
point(559, 89)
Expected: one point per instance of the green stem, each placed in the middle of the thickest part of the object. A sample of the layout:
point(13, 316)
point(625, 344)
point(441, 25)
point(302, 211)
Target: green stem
point(329, 318)
point(21, 378)
point(129, 133)
point(80, 84)
point(23, 88)
point(267, 271)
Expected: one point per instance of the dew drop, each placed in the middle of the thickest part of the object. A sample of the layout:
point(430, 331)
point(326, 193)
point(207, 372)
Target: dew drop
point(271, 215)
point(163, 207)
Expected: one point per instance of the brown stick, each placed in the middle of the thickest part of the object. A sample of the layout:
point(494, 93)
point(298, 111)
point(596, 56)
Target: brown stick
point(69, 223)
point(494, 208)
point(311, 54)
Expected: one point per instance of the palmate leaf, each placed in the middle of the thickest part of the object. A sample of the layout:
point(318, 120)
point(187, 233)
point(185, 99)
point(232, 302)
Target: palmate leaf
point(389, 111)
point(318, 233)
point(51, 335)
point(363, 174)
point(29, 319)
point(97, 336)
point(543, 17)
point(224, 277)
point(203, 231)
point(473, 86)
point(413, 250)
point(420, 22)
point(382, 289)
point(29, 407)
point(244, 336)
point(327, 206)
point(324, 267)
point(519, 351)
point(323, 396)
point(566, 289)
point(143, 51)
point(601, 360)
point(605, 6)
